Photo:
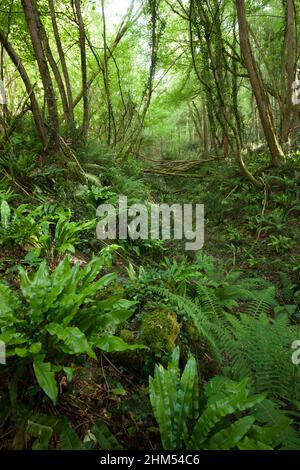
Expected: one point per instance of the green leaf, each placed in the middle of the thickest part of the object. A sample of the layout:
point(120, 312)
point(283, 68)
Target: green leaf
point(35, 348)
point(186, 401)
point(114, 344)
point(8, 301)
point(5, 214)
point(118, 391)
point(234, 398)
point(46, 379)
point(42, 432)
point(163, 399)
point(73, 338)
point(21, 352)
point(68, 439)
point(69, 373)
point(250, 444)
point(228, 438)
point(105, 438)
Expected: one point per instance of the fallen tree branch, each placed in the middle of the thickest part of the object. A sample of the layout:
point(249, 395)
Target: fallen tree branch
point(166, 173)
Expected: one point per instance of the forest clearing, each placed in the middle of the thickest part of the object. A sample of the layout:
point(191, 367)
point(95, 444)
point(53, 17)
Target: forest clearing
point(149, 226)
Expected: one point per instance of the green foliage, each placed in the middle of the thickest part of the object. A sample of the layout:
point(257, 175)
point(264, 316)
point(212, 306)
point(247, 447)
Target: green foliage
point(59, 315)
point(47, 229)
point(5, 214)
point(68, 438)
point(216, 422)
point(182, 276)
point(104, 437)
point(252, 344)
point(41, 428)
point(280, 243)
point(162, 109)
point(67, 232)
point(275, 221)
point(234, 235)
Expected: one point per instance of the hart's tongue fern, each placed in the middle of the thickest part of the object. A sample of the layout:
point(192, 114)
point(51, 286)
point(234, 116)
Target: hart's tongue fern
point(248, 343)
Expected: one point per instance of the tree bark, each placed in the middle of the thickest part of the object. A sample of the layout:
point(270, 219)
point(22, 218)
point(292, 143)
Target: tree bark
point(205, 130)
point(37, 116)
point(53, 65)
point(70, 117)
point(82, 43)
point(50, 98)
point(63, 65)
point(105, 72)
point(257, 85)
point(288, 71)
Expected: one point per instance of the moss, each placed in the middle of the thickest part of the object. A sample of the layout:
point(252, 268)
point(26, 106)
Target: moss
point(127, 336)
point(191, 332)
point(159, 330)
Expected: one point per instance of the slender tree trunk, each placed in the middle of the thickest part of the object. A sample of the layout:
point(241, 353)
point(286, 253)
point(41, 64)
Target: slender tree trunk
point(197, 121)
point(154, 6)
point(235, 88)
point(4, 106)
point(288, 71)
point(205, 130)
point(70, 117)
point(258, 86)
point(110, 112)
point(29, 88)
point(50, 97)
point(82, 43)
point(53, 65)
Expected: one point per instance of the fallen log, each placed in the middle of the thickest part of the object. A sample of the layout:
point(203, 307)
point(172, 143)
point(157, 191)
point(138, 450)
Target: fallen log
point(175, 162)
point(167, 173)
point(184, 162)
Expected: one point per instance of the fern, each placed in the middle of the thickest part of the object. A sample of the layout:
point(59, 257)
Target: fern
point(251, 344)
point(59, 315)
point(40, 427)
point(68, 438)
point(104, 437)
point(233, 398)
point(219, 422)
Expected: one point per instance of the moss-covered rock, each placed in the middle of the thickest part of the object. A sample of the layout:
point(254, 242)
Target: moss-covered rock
point(159, 330)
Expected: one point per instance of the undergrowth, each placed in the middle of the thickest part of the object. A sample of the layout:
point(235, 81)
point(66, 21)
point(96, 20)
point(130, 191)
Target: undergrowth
point(76, 312)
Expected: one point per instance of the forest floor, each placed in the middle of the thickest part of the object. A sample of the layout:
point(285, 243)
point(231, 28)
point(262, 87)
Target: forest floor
point(255, 233)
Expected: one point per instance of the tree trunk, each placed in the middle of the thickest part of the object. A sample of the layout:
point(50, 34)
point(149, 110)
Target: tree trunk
point(196, 117)
point(257, 85)
point(29, 88)
point(205, 130)
point(82, 42)
point(53, 65)
point(288, 71)
point(4, 106)
point(50, 98)
point(105, 72)
point(70, 118)
point(216, 59)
